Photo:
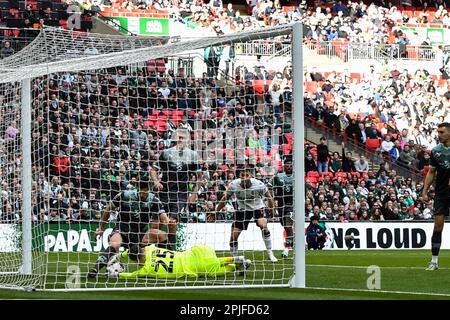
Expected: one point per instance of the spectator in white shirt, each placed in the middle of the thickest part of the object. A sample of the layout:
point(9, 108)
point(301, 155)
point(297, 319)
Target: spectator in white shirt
point(387, 144)
point(362, 165)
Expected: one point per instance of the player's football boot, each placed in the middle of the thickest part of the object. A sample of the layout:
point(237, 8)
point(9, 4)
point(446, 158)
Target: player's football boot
point(271, 257)
point(92, 273)
point(432, 266)
point(246, 264)
point(285, 253)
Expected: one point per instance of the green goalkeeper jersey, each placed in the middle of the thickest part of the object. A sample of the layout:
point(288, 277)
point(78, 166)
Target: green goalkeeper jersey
point(163, 263)
point(200, 260)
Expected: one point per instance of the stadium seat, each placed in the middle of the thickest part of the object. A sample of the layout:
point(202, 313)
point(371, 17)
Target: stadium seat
point(425, 170)
point(341, 174)
point(179, 113)
point(356, 174)
point(287, 149)
point(372, 144)
point(314, 174)
point(149, 124)
point(249, 152)
point(260, 85)
point(161, 128)
point(311, 86)
point(327, 174)
point(313, 181)
point(289, 137)
point(355, 75)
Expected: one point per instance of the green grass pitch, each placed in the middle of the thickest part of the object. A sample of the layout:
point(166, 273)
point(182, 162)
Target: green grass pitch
point(329, 275)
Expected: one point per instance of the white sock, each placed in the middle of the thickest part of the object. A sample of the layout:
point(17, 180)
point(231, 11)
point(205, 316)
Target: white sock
point(234, 251)
point(434, 259)
point(268, 242)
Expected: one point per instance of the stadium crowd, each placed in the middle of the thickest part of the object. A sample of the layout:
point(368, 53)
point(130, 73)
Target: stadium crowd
point(386, 104)
point(94, 132)
point(355, 21)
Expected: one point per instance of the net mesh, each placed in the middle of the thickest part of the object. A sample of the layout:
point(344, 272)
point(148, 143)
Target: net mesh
point(109, 115)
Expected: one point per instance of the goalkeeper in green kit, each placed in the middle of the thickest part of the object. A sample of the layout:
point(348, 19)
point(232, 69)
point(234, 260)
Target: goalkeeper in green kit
point(200, 260)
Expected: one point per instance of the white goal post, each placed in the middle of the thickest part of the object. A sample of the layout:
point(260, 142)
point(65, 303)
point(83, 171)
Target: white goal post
point(84, 116)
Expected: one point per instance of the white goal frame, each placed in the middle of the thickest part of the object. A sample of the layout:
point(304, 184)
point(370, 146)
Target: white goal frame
point(25, 73)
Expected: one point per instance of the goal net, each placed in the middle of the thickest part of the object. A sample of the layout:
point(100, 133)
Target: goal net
point(87, 120)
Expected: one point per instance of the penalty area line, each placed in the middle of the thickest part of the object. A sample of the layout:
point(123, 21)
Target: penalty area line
point(382, 291)
point(365, 267)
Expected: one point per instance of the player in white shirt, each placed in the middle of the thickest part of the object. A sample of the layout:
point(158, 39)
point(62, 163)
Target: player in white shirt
point(250, 194)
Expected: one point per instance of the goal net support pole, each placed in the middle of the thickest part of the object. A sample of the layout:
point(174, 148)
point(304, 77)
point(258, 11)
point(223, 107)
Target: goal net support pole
point(25, 133)
point(298, 280)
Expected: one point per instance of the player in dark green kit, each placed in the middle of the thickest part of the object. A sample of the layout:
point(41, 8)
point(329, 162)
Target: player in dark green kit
point(439, 169)
point(283, 184)
point(137, 208)
point(176, 165)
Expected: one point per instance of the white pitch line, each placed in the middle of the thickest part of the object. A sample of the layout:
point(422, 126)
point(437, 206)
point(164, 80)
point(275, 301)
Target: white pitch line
point(365, 267)
point(358, 253)
point(382, 291)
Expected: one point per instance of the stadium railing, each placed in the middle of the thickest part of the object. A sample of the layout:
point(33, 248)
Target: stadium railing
point(263, 48)
point(113, 23)
point(355, 51)
point(374, 158)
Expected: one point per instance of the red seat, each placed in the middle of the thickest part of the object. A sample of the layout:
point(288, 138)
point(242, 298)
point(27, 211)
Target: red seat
point(343, 175)
point(259, 85)
point(426, 169)
point(372, 144)
point(160, 62)
point(356, 174)
point(313, 181)
point(314, 174)
point(287, 149)
point(179, 113)
point(161, 128)
point(311, 86)
point(289, 137)
point(149, 124)
point(327, 174)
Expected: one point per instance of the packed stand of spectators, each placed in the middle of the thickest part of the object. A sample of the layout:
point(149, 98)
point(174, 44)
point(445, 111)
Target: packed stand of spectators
point(348, 190)
point(94, 132)
point(21, 21)
point(355, 21)
point(390, 111)
point(212, 17)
